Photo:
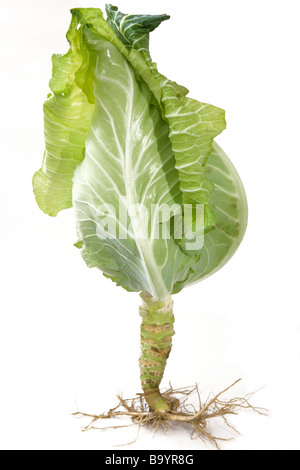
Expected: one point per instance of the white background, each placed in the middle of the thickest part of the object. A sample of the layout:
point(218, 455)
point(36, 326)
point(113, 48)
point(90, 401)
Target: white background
point(69, 337)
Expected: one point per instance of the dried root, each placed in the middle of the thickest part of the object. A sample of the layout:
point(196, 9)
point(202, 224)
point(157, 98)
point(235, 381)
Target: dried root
point(182, 413)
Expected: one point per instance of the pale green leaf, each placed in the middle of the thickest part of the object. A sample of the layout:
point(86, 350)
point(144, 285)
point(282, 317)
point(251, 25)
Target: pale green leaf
point(67, 119)
point(129, 162)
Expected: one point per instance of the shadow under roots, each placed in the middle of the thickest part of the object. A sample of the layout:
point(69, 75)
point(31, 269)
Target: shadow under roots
point(182, 413)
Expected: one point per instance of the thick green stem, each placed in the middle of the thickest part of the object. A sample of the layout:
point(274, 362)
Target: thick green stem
point(156, 343)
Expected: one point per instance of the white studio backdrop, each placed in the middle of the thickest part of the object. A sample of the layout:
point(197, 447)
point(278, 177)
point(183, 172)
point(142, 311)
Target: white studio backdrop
point(69, 338)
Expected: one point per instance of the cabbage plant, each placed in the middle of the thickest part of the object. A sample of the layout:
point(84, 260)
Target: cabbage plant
point(158, 204)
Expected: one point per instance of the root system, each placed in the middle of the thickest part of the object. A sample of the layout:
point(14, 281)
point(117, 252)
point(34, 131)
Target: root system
point(183, 413)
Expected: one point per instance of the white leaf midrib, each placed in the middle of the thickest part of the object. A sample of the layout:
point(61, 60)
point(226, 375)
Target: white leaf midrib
point(152, 271)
